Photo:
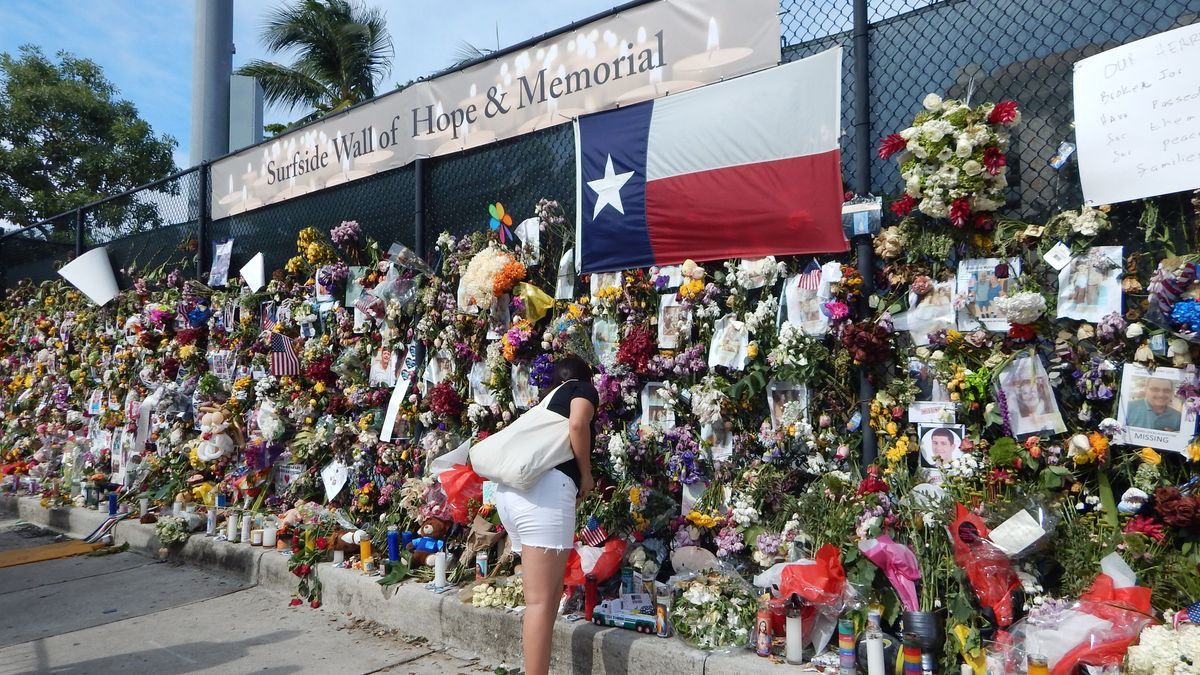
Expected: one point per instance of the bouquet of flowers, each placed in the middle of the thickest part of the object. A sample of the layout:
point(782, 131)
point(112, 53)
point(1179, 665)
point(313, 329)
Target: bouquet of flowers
point(1163, 649)
point(171, 530)
point(713, 610)
point(952, 160)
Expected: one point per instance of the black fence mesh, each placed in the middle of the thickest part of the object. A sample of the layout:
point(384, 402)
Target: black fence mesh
point(976, 49)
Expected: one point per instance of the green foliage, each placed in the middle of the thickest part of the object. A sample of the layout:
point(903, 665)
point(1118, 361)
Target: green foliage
point(67, 140)
point(343, 51)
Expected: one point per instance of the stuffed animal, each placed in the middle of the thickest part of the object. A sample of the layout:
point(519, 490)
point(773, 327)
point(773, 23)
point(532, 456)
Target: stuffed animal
point(215, 442)
point(430, 540)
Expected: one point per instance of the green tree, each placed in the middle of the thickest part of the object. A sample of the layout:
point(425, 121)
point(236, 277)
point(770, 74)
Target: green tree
point(66, 139)
point(342, 48)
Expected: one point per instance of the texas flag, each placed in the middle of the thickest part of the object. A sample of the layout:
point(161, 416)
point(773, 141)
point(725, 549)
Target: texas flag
point(745, 168)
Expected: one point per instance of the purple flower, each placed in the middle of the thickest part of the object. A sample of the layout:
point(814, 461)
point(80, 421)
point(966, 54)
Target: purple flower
point(541, 372)
point(729, 541)
point(347, 232)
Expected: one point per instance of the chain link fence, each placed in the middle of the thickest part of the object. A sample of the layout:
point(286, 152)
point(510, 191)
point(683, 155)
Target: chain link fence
point(970, 49)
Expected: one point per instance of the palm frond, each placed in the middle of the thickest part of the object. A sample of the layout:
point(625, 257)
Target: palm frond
point(286, 86)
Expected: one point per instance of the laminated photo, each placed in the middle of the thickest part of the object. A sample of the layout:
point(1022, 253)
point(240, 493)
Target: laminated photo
point(656, 408)
point(780, 395)
point(525, 395)
point(940, 443)
point(731, 339)
point(932, 403)
point(720, 439)
point(221, 364)
point(605, 340)
point(1089, 287)
point(499, 318)
point(674, 321)
point(383, 368)
point(478, 378)
point(1028, 397)
point(440, 367)
point(980, 288)
point(804, 298)
point(1152, 412)
point(354, 291)
point(218, 275)
point(930, 314)
point(602, 280)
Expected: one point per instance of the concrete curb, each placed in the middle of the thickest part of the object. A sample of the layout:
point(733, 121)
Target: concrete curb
point(412, 610)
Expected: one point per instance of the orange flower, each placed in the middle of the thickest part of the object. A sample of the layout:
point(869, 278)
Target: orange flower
point(507, 277)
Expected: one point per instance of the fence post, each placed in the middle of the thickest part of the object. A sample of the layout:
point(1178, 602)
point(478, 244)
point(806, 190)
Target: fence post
point(78, 232)
point(202, 222)
point(864, 251)
point(419, 207)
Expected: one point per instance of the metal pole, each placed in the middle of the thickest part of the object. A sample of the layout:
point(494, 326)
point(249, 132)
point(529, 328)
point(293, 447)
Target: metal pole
point(419, 207)
point(212, 64)
point(864, 251)
point(203, 214)
point(78, 232)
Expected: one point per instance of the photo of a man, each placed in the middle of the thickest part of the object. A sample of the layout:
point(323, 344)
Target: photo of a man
point(1158, 407)
point(940, 444)
point(1029, 398)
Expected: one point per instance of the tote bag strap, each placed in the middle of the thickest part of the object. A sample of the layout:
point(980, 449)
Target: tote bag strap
point(545, 402)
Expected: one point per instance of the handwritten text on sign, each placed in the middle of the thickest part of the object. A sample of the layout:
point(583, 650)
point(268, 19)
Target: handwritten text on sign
point(1137, 118)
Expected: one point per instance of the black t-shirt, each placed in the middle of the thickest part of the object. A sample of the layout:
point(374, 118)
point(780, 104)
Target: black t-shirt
point(561, 404)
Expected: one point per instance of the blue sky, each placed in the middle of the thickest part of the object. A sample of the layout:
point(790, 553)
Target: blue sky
point(145, 46)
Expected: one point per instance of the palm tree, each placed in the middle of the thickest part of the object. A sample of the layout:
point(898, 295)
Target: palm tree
point(343, 48)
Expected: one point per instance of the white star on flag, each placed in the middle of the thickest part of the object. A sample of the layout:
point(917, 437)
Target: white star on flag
point(608, 189)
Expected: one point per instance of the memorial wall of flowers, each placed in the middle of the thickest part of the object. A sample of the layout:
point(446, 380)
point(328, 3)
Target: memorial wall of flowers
point(1034, 410)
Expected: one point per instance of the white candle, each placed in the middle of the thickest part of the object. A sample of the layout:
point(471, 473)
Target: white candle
point(875, 655)
point(178, 508)
point(967, 670)
point(231, 529)
point(247, 521)
point(795, 640)
point(256, 537)
point(143, 506)
point(269, 534)
point(339, 556)
point(210, 528)
point(439, 569)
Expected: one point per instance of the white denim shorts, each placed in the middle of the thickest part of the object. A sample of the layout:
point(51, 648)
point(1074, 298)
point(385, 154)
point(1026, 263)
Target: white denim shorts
point(542, 516)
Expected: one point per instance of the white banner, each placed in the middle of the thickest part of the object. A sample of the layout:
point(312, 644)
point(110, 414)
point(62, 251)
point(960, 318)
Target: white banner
point(648, 51)
point(1137, 118)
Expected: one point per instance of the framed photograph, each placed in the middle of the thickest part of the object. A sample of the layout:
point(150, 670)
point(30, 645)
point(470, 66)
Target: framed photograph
point(1089, 287)
point(721, 440)
point(605, 339)
point(977, 280)
point(674, 321)
point(933, 402)
point(1030, 401)
point(439, 367)
point(940, 443)
point(804, 296)
point(780, 395)
point(480, 392)
point(729, 343)
point(383, 368)
point(930, 314)
point(524, 394)
point(1151, 410)
point(656, 409)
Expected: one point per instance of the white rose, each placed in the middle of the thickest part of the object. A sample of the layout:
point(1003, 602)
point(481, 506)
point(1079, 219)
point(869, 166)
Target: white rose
point(913, 186)
point(932, 102)
point(1134, 331)
point(972, 167)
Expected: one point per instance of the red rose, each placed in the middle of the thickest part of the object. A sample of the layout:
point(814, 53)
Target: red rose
point(321, 543)
point(904, 205)
point(315, 604)
point(993, 160)
point(983, 221)
point(1021, 331)
point(960, 211)
point(1005, 112)
point(891, 145)
point(295, 602)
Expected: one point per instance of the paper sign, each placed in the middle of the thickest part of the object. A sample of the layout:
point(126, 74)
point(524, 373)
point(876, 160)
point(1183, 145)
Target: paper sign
point(92, 274)
point(565, 288)
point(285, 475)
point(1017, 533)
point(1137, 118)
point(334, 477)
point(529, 232)
point(219, 274)
point(252, 272)
point(1058, 256)
point(407, 370)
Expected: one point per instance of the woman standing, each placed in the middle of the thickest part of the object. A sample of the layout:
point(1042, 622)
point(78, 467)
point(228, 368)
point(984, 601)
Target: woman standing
point(540, 521)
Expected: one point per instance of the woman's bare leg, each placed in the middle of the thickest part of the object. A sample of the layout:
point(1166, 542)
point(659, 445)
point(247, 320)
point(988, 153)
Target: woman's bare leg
point(542, 574)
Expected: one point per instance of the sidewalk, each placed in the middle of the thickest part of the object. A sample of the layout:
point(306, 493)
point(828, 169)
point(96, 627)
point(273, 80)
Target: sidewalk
point(412, 610)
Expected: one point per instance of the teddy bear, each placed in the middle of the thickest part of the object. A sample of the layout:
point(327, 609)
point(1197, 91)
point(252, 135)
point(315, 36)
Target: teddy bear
point(432, 533)
point(215, 441)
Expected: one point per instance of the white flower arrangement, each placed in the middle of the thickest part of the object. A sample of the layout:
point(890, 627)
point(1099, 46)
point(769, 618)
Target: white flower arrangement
point(618, 450)
point(707, 401)
point(1163, 650)
point(790, 350)
point(744, 513)
point(756, 273)
point(763, 316)
point(475, 290)
point(712, 611)
point(1086, 222)
point(964, 466)
point(1024, 307)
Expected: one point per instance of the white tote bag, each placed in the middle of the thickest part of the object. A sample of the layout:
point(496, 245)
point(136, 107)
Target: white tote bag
point(520, 453)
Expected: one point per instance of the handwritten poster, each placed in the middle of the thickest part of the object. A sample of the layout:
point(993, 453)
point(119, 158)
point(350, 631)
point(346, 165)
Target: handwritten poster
point(1137, 118)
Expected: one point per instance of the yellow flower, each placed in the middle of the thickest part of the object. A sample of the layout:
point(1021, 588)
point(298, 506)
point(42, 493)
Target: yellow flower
point(953, 336)
point(892, 429)
point(635, 494)
point(1193, 450)
point(752, 350)
point(1149, 456)
point(319, 387)
point(187, 352)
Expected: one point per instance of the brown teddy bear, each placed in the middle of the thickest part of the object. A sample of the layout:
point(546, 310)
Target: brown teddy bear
point(433, 531)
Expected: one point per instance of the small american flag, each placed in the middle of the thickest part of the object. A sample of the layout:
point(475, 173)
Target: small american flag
point(283, 357)
point(810, 280)
point(593, 533)
point(268, 315)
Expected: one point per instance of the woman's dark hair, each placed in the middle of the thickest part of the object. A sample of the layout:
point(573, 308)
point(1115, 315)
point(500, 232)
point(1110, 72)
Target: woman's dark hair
point(571, 368)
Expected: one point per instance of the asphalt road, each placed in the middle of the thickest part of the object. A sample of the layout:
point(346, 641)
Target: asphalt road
point(126, 613)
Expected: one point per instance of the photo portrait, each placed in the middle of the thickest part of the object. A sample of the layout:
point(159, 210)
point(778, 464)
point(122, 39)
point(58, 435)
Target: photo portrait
point(932, 403)
point(1031, 406)
point(354, 291)
point(605, 340)
point(729, 343)
point(499, 318)
point(524, 394)
point(940, 443)
point(1151, 410)
point(1089, 287)
point(780, 395)
point(981, 288)
point(656, 409)
point(478, 377)
point(720, 439)
point(804, 296)
point(602, 280)
point(383, 368)
point(929, 314)
point(440, 367)
point(674, 322)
